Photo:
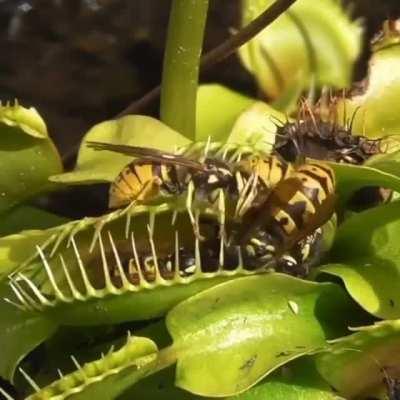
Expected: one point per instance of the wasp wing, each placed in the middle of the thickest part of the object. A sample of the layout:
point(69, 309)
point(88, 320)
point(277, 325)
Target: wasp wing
point(148, 154)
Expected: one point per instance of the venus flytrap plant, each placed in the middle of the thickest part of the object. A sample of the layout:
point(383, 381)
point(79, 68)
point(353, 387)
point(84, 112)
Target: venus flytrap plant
point(247, 313)
point(229, 331)
point(104, 378)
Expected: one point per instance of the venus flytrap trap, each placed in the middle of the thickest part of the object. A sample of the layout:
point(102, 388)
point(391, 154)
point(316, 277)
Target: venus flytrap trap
point(376, 97)
point(130, 294)
point(105, 378)
point(359, 364)
point(27, 155)
point(312, 45)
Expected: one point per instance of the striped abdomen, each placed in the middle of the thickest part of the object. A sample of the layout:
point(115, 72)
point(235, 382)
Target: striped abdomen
point(143, 182)
point(297, 205)
point(269, 169)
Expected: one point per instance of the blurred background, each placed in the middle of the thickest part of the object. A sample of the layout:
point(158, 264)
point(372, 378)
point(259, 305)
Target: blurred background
point(83, 61)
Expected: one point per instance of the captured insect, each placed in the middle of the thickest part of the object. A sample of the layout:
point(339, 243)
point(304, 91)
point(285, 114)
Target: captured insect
point(285, 227)
point(156, 174)
point(263, 173)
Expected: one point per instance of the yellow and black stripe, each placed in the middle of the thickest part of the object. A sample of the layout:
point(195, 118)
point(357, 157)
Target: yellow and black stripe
point(296, 207)
point(269, 169)
point(143, 182)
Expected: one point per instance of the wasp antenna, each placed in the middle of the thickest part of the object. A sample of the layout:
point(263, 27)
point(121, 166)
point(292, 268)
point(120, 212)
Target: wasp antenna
point(30, 380)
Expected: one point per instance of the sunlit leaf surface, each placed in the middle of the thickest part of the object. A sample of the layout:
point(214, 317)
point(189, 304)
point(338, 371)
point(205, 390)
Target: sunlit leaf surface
point(367, 258)
point(27, 156)
point(103, 166)
point(229, 337)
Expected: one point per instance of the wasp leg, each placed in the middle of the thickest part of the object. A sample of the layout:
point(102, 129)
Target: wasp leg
point(189, 208)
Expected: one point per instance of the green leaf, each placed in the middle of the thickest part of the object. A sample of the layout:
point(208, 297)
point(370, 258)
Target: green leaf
point(350, 178)
point(312, 43)
point(20, 333)
point(366, 256)
point(217, 110)
point(353, 365)
point(27, 156)
point(297, 380)
point(256, 127)
point(107, 377)
point(229, 337)
point(158, 386)
point(103, 166)
point(375, 103)
point(27, 217)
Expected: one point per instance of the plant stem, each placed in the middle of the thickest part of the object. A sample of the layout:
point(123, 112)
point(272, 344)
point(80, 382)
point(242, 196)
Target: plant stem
point(222, 51)
point(181, 65)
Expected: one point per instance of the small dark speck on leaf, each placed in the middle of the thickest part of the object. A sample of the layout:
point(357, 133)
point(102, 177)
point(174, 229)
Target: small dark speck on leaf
point(249, 363)
point(391, 302)
point(160, 386)
point(283, 354)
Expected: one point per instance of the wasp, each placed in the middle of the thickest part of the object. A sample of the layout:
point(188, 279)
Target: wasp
point(287, 225)
point(154, 174)
point(263, 173)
